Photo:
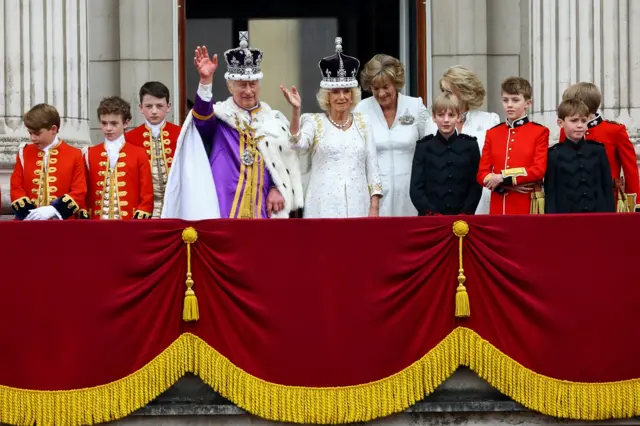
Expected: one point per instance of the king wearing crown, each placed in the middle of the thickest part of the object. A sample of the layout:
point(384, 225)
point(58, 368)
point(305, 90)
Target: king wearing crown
point(233, 158)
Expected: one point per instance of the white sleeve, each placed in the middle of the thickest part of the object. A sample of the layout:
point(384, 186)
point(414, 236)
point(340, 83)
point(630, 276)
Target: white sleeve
point(373, 173)
point(304, 139)
point(430, 127)
point(423, 117)
point(205, 91)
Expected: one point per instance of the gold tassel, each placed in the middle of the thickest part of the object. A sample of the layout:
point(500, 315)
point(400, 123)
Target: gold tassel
point(539, 200)
point(631, 202)
point(463, 309)
point(190, 310)
point(533, 209)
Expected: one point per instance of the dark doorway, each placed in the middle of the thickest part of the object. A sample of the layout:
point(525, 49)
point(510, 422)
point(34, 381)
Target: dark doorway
point(294, 36)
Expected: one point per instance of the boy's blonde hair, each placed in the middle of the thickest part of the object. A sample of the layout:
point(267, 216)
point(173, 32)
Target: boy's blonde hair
point(517, 86)
point(585, 92)
point(446, 102)
point(572, 107)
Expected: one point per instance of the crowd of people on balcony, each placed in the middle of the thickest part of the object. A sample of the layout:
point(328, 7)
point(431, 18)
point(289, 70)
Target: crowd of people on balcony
point(385, 156)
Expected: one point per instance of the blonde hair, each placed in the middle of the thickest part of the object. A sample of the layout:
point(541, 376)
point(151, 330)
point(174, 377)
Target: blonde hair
point(323, 98)
point(470, 88)
point(446, 102)
point(585, 92)
point(382, 67)
point(572, 107)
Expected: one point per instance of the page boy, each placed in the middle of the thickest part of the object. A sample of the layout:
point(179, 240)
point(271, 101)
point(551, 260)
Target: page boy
point(48, 180)
point(514, 156)
point(157, 136)
point(620, 151)
point(578, 178)
point(118, 173)
point(443, 175)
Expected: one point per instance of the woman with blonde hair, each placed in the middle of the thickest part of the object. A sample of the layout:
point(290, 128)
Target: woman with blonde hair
point(344, 180)
point(398, 122)
point(468, 88)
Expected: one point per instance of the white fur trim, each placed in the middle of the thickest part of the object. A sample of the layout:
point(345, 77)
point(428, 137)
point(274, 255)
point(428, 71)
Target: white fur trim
point(243, 77)
point(280, 160)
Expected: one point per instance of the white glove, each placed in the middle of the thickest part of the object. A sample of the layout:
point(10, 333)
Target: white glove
point(42, 213)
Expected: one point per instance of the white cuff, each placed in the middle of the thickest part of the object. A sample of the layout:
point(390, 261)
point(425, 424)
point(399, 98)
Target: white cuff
point(205, 91)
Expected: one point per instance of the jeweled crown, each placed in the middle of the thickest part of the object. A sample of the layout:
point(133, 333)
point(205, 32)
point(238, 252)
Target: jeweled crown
point(243, 62)
point(339, 70)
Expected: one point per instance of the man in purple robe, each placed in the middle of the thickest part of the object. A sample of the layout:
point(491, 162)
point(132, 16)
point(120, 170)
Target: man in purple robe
point(254, 171)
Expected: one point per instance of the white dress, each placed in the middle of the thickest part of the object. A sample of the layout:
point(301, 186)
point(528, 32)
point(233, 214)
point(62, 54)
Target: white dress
point(477, 124)
point(344, 168)
point(395, 147)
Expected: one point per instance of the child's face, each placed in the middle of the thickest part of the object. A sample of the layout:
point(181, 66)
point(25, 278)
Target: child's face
point(574, 126)
point(112, 126)
point(43, 137)
point(154, 109)
point(515, 106)
point(446, 121)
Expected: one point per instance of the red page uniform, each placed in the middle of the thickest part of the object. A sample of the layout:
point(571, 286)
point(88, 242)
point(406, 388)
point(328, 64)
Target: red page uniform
point(160, 151)
point(54, 176)
point(518, 151)
point(621, 155)
point(119, 185)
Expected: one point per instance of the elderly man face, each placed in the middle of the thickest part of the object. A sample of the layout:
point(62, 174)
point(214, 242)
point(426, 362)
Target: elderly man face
point(245, 93)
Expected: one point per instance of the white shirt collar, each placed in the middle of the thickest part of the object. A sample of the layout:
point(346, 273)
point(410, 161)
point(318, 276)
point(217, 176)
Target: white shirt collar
point(113, 149)
point(155, 128)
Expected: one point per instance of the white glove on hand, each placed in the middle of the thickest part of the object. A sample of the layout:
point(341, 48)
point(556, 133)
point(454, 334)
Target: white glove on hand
point(42, 213)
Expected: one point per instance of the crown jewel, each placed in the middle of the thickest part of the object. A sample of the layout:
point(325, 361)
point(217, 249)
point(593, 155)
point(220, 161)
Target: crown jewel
point(243, 62)
point(339, 70)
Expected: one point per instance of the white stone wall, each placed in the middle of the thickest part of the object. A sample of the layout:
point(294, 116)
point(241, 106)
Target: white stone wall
point(552, 43)
point(44, 53)
point(131, 42)
point(597, 41)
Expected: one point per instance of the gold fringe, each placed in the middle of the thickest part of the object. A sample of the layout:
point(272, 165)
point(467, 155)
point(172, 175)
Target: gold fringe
point(296, 404)
point(552, 397)
point(338, 405)
point(190, 311)
point(463, 309)
point(100, 404)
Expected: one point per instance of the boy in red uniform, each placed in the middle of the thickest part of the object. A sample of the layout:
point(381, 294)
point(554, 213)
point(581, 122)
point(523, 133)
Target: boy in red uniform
point(614, 137)
point(48, 180)
point(514, 156)
point(157, 136)
point(118, 173)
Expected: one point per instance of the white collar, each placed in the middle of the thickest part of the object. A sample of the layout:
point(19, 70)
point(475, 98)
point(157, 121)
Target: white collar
point(155, 128)
point(114, 143)
point(51, 145)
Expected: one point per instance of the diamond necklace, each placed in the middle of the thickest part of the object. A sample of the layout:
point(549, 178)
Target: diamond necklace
point(340, 126)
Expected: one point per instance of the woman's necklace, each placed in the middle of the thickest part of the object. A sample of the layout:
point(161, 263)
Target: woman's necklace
point(340, 126)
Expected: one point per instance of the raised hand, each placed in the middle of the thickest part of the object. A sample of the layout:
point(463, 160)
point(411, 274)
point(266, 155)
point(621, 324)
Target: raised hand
point(292, 96)
point(206, 66)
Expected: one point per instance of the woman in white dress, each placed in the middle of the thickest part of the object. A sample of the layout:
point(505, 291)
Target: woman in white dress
point(344, 180)
point(467, 87)
point(398, 122)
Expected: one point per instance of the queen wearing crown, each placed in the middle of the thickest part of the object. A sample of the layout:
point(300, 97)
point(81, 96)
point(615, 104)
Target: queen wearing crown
point(233, 158)
point(344, 180)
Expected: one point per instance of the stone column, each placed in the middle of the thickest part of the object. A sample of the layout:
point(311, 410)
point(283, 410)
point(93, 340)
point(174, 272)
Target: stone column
point(44, 47)
point(587, 41)
point(146, 49)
